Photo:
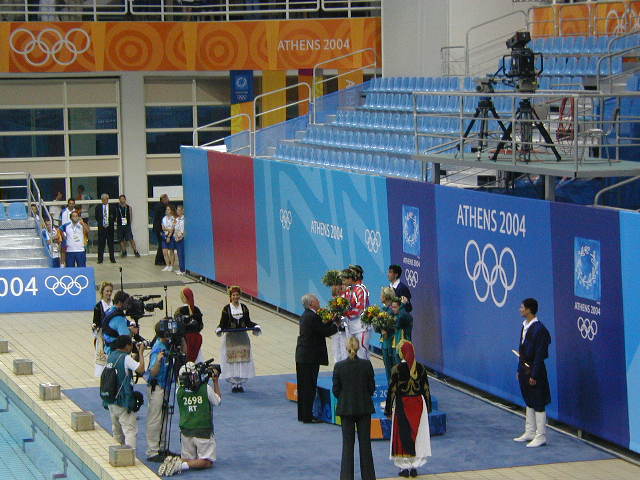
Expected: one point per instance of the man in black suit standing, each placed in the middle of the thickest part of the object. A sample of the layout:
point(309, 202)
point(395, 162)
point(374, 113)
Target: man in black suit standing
point(158, 214)
point(105, 216)
point(402, 291)
point(311, 352)
point(353, 385)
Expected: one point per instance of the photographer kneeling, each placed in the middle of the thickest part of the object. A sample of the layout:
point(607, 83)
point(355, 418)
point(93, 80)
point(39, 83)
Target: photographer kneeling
point(114, 323)
point(116, 389)
point(195, 401)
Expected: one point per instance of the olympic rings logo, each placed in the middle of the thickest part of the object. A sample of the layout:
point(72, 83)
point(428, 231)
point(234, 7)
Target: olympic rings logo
point(286, 218)
point(66, 284)
point(412, 278)
point(490, 275)
point(588, 328)
point(373, 240)
point(47, 50)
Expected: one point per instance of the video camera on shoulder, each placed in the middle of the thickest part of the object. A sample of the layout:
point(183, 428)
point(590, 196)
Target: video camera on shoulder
point(136, 306)
point(192, 376)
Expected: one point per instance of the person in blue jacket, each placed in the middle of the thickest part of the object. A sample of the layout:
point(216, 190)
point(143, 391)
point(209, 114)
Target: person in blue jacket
point(532, 374)
point(115, 323)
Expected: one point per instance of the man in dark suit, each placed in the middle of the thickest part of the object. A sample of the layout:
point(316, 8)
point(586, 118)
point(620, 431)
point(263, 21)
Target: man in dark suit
point(158, 214)
point(402, 291)
point(353, 385)
point(311, 352)
point(105, 216)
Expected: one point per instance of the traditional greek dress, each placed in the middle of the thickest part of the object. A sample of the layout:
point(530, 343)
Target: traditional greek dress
point(100, 357)
point(409, 402)
point(236, 357)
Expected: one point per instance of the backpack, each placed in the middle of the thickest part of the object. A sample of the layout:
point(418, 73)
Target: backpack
point(109, 382)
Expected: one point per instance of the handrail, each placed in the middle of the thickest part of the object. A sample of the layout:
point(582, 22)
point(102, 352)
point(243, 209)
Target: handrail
point(335, 59)
point(609, 56)
point(618, 37)
point(596, 199)
point(466, 38)
point(224, 120)
point(446, 62)
point(266, 94)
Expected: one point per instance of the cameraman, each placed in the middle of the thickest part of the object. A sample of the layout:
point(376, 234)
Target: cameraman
point(123, 407)
point(158, 379)
point(115, 323)
point(195, 401)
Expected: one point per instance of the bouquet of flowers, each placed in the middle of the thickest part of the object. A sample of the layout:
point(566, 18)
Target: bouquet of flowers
point(369, 315)
point(338, 306)
point(325, 315)
point(332, 278)
point(384, 321)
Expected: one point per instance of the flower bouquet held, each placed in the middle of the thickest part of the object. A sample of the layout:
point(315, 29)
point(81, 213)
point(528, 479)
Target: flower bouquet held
point(369, 315)
point(339, 306)
point(325, 315)
point(385, 322)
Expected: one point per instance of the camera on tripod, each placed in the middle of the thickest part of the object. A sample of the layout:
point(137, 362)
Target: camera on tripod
point(173, 328)
point(136, 306)
point(522, 74)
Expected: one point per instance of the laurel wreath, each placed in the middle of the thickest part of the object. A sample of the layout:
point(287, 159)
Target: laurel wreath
point(587, 279)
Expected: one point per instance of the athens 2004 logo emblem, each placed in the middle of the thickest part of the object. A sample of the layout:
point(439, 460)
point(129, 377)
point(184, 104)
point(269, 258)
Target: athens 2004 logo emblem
point(49, 44)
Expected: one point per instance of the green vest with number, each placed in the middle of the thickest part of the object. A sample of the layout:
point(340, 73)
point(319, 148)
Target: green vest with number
point(195, 412)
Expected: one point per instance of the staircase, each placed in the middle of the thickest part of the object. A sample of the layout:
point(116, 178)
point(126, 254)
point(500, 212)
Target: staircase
point(20, 246)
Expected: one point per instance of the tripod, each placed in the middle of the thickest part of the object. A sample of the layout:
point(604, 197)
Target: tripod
point(484, 108)
point(175, 360)
point(529, 120)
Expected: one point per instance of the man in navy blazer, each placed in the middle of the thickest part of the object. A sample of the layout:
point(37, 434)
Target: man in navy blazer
point(402, 291)
point(105, 215)
point(311, 352)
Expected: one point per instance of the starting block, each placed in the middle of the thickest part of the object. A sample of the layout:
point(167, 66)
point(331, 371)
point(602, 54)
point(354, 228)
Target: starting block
point(324, 408)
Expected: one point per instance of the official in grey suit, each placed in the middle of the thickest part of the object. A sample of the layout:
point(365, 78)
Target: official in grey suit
point(353, 386)
point(311, 352)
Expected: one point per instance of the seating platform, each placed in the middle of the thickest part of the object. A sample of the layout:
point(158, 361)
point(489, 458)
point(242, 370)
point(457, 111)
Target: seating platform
point(324, 408)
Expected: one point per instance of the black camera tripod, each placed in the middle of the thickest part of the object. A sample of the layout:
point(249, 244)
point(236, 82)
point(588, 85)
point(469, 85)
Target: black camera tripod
point(528, 119)
point(484, 108)
point(175, 359)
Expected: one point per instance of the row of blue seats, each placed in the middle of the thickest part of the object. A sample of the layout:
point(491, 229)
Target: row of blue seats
point(582, 45)
point(13, 211)
point(382, 164)
point(419, 84)
point(580, 66)
point(360, 140)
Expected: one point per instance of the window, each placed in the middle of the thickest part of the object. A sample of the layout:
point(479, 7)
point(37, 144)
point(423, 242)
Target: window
point(169, 117)
point(25, 146)
point(90, 144)
point(161, 181)
point(31, 119)
point(102, 118)
point(94, 187)
point(212, 113)
point(167, 142)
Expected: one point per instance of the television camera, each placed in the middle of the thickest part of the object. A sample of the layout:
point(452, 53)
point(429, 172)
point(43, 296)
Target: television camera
point(522, 73)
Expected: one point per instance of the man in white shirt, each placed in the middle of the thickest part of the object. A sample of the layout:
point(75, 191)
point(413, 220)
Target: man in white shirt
point(66, 213)
point(73, 234)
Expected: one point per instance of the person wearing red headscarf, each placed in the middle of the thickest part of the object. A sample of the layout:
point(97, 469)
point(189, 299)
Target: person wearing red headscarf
point(409, 404)
point(193, 326)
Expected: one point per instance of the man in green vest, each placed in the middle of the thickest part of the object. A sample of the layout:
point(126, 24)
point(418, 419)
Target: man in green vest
point(123, 418)
point(195, 399)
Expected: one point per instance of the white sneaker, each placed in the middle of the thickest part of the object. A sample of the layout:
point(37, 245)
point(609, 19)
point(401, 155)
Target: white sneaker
point(163, 468)
point(165, 269)
point(179, 273)
point(175, 466)
point(538, 441)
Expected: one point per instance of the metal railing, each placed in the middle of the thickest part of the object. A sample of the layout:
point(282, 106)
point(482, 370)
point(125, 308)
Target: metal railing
point(609, 57)
point(172, 10)
point(256, 114)
point(250, 130)
point(315, 83)
point(518, 13)
point(622, 183)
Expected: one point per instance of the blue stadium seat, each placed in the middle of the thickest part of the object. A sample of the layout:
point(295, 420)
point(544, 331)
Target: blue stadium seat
point(556, 45)
point(579, 45)
point(582, 67)
point(454, 84)
point(549, 66)
point(437, 84)
point(631, 41)
point(616, 65)
point(428, 84)
point(545, 83)
point(633, 84)
point(591, 45)
point(571, 66)
point(560, 66)
point(536, 44)
point(577, 83)
point(468, 85)
point(567, 45)
point(602, 44)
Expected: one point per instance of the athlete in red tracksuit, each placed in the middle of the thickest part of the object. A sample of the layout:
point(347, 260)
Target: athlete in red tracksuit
point(359, 298)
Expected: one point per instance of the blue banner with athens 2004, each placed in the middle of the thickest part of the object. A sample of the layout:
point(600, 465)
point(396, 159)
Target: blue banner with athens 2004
point(47, 290)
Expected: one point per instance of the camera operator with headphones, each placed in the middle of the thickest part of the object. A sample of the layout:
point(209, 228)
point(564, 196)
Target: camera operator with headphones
point(195, 397)
point(158, 378)
point(120, 398)
point(115, 323)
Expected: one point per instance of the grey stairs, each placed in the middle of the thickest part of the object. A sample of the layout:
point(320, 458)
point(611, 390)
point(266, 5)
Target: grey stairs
point(22, 248)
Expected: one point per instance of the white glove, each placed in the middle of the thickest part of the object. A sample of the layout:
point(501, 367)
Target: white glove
point(219, 331)
point(258, 330)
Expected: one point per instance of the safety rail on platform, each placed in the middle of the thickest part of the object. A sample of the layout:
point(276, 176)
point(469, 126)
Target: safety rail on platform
point(609, 57)
point(249, 130)
point(622, 183)
point(330, 61)
point(172, 10)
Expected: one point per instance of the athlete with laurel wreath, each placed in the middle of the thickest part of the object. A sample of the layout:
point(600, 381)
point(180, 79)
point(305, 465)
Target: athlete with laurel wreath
point(359, 298)
point(532, 374)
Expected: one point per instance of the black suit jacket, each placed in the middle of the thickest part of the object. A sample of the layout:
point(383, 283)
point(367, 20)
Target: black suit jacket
point(403, 291)
point(112, 215)
point(312, 347)
point(353, 386)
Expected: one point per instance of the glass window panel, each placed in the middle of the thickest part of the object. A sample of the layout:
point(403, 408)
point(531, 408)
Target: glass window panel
point(162, 181)
point(94, 187)
point(205, 136)
point(103, 118)
point(31, 146)
point(31, 119)
point(167, 142)
point(49, 187)
point(87, 144)
point(212, 113)
point(169, 117)
point(19, 192)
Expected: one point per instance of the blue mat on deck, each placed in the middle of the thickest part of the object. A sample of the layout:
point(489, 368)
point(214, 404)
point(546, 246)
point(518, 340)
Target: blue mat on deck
point(258, 436)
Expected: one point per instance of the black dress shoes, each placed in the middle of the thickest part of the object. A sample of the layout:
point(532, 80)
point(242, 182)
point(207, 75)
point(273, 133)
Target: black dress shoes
point(313, 420)
point(404, 473)
point(413, 472)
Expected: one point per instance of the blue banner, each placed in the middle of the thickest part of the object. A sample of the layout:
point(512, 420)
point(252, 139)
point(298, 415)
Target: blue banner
point(412, 233)
point(493, 252)
point(630, 268)
point(310, 220)
point(590, 330)
point(198, 238)
point(241, 86)
point(47, 290)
